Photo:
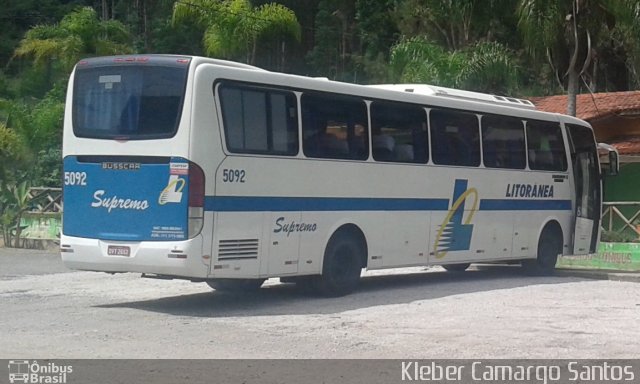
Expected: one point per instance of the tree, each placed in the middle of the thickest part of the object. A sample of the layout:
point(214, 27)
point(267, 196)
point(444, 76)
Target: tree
point(378, 32)
point(17, 17)
point(38, 124)
point(79, 34)
point(30, 139)
point(491, 68)
point(13, 153)
point(483, 67)
point(448, 21)
point(572, 35)
point(235, 29)
point(419, 60)
point(624, 41)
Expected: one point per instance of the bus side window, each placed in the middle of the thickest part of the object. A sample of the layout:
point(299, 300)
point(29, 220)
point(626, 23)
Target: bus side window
point(334, 126)
point(503, 144)
point(398, 132)
point(258, 120)
point(545, 146)
point(455, 138)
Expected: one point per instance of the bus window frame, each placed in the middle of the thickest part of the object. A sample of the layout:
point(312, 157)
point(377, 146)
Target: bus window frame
point(268, 90)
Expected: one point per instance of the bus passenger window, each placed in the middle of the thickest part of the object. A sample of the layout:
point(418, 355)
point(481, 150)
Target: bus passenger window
point(455, 138)
point(257, 120)
point(399, 132)
point(503, 143)
point(334, 127)
point(545, 146)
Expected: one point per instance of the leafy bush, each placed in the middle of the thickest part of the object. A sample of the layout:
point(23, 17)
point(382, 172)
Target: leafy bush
point(13, 154)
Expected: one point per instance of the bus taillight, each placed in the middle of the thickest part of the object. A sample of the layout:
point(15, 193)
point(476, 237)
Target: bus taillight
point(196, 199)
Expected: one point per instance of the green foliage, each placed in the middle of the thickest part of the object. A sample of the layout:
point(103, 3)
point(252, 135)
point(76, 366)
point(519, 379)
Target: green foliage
point(325, 55)
point(234, 28)
point(177, 38)
point(490, 68)
point(4, 85)
point(589, 45)
point(446, 22)
point(78, 34)
point(484, 67)
point(46, 170)
point(31, 146)
point(14, 201)
point(13, 154)
point(376, 26)
point(419, 60)
point(624, 37)
point(39, 124)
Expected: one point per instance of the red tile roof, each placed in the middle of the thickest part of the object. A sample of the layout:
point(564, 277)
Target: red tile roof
point(597, 106)
point(590, 107)
point(626, 145)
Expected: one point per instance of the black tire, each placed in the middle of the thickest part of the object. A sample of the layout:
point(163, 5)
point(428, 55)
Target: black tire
point(549, 247)
point(236, 285)
point(342, 266)
point(456, 267)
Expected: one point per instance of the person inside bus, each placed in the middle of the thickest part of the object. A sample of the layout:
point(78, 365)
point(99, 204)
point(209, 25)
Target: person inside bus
point(323, 143)
point(382, 147)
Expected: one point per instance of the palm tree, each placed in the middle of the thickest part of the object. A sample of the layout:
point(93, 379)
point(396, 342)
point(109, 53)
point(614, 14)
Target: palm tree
point(234, 28)
point(79, 34)
point(419, 60)
point(570, 32)
point(490, 67)
point(483, 67)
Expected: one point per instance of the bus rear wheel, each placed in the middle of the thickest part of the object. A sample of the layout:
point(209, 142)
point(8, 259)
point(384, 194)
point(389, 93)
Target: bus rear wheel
point(456, 267)
point(549, 247)
point(342, 266)
point(236, 285)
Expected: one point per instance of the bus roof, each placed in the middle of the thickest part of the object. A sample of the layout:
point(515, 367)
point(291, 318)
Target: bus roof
point(432, 90)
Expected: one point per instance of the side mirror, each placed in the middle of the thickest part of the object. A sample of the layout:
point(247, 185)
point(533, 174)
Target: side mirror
point(614, 163)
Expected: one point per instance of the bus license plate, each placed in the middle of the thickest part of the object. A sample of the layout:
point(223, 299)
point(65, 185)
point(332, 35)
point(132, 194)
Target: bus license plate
point(118, 250)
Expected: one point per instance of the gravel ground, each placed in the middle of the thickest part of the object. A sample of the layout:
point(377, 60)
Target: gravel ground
point(51, 312)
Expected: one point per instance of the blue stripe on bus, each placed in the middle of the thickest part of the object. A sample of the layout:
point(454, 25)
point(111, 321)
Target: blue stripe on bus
point(524, 205)
point(321, 204)
point(282, 204)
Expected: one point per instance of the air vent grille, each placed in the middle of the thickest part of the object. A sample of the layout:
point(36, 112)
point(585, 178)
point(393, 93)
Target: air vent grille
point(238, 249)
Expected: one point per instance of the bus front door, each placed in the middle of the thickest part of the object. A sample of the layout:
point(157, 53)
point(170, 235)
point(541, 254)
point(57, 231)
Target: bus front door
point(587, 210)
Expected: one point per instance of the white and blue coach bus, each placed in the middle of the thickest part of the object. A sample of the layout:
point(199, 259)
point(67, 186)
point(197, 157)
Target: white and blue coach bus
point(215, 171)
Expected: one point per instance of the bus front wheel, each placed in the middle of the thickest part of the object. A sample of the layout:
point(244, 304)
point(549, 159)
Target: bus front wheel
point(342, 266)
point(549, 247)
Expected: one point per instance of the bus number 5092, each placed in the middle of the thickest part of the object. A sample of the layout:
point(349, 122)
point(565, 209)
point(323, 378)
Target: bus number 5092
point(233, 175)
point(75, 178)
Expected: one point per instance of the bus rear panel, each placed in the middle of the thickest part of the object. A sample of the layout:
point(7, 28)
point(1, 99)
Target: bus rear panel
point(131, 195)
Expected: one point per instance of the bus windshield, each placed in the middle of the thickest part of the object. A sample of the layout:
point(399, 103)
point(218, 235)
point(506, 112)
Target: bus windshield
point(128, 101)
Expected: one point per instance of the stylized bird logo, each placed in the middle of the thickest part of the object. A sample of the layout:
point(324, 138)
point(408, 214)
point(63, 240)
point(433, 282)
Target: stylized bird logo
point(453, 235)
